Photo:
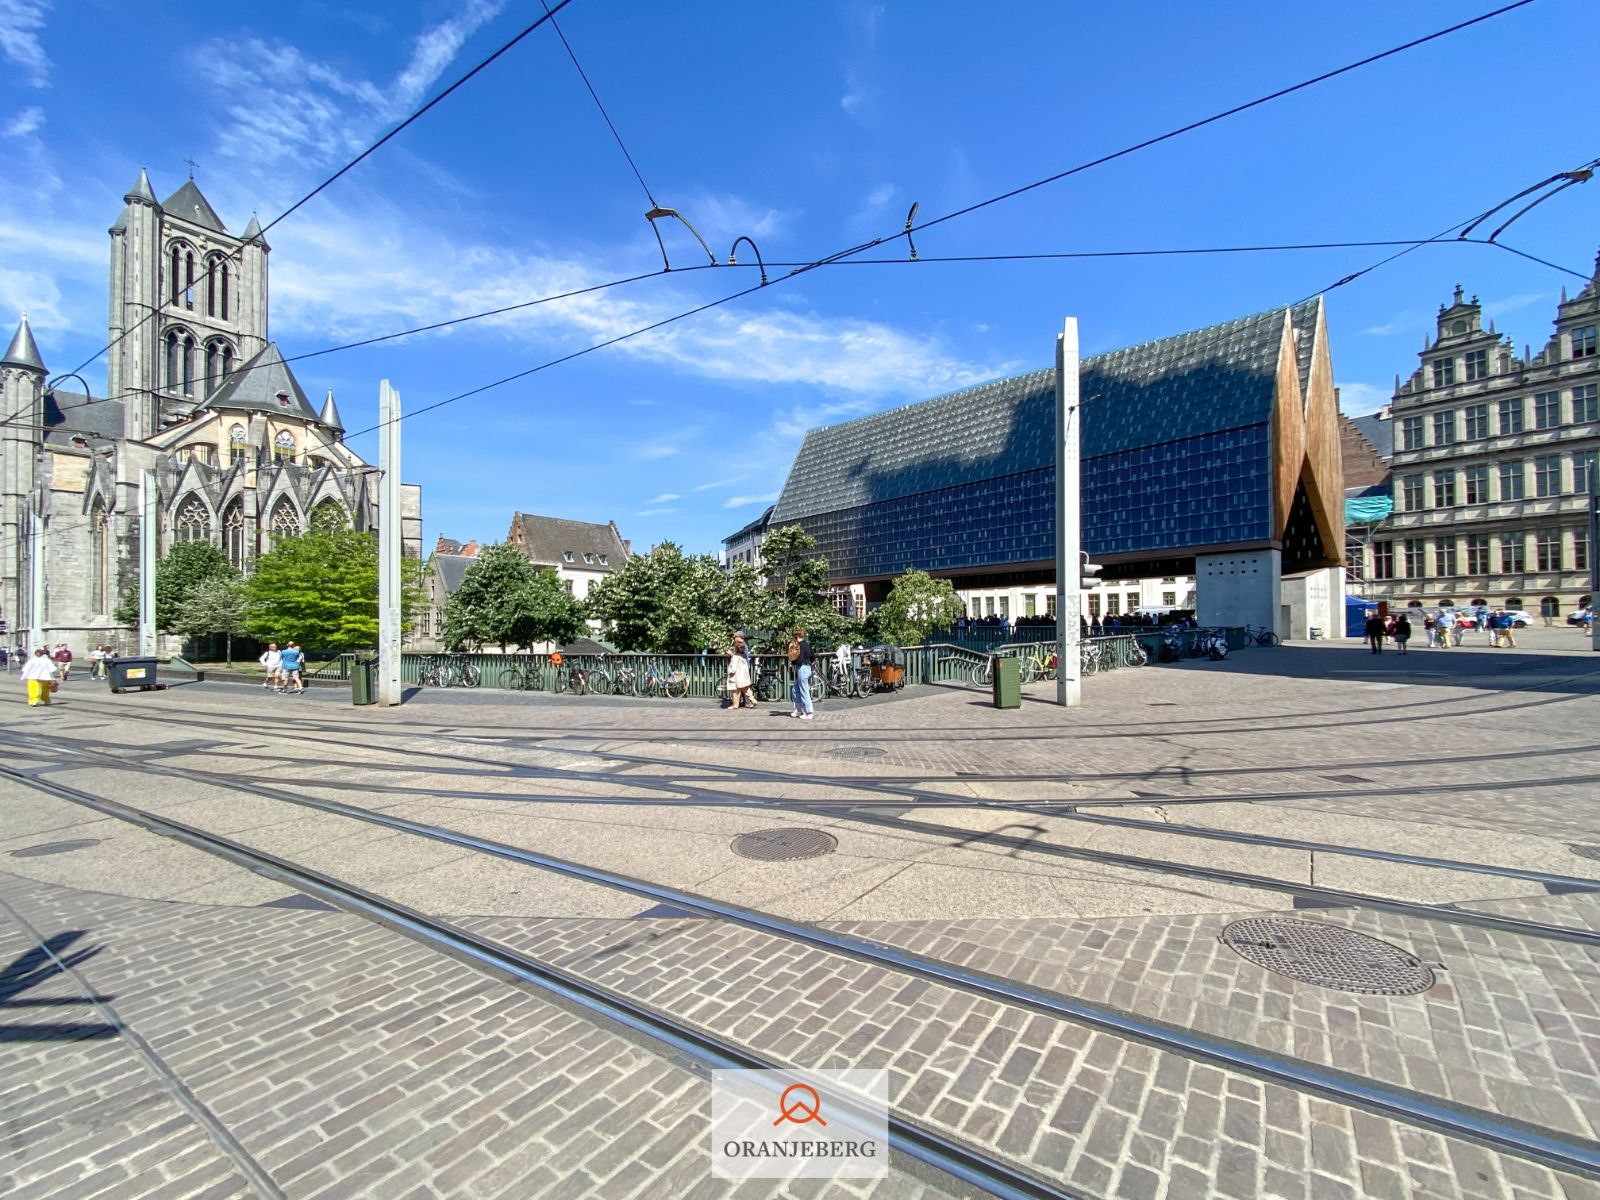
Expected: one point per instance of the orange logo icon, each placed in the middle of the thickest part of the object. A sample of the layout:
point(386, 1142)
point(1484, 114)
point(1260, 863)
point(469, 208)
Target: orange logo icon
point(807, 1112)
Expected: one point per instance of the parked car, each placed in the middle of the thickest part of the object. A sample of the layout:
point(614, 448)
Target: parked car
point(1519, 618)
point(1582, 617)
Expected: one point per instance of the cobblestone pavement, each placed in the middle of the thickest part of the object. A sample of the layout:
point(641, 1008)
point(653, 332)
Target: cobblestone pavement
point(1471, 754)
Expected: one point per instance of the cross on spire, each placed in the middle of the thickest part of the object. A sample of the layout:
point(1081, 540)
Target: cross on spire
point(192, 166)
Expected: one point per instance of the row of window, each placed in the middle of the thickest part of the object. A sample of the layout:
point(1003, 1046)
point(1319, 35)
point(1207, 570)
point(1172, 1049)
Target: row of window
point(181, 348)
point(1475, 363)
point(1449, 486)
point(193, 524)
point(1471, 424)
point(567, 556)
point(181, 280)
point(1480, 554)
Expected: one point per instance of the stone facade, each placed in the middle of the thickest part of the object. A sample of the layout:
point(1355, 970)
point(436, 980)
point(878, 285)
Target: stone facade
point(1494, 461)
point(198, 397)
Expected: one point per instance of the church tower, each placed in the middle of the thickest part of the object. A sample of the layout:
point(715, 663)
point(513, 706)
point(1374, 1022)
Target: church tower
point(22, 378)
point(188, 304)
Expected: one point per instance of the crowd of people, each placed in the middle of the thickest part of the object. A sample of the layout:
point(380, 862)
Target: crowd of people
point(742, 674)
point(1443, 627)
point(284, 668)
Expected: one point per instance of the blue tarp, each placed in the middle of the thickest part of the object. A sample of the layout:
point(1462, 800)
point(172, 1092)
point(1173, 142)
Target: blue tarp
point(1367, 510)
point(1355, 615)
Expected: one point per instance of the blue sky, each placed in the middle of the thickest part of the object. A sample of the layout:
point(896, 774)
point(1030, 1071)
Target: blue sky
point(808, 128)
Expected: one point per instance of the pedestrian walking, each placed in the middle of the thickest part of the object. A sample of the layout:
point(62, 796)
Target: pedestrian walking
point(1431, 628)
point(97, 662)
point(1507, 631)
point(801, 658)
point(1402, 632)
point(1375, 631)
point(1447, 625)
point(741, 647)
point(739, 677)
point(63, 661)
point(39, 675)
point(271, 661)
point(293, 661)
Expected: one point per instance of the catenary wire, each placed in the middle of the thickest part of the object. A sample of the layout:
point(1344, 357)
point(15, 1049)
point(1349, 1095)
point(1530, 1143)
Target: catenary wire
point(852, 251)
point(595, 96)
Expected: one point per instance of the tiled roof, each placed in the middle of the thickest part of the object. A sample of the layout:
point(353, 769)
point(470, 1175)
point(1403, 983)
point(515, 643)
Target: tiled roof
point(23, 351)
point(548, 540)
point(451, 569)
point(1206, 381)
point(1378, 432)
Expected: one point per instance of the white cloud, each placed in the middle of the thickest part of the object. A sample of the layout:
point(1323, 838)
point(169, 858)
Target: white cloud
point(1359, 399)
point(654, 512)
point(29, 121)
point(664, 498)
point(1499, 308)
point(20, 24)
point(660, 448)
point(1411, 321)
point(706, 487)
point(852, 101)
point(741, 501)
point(721, 218)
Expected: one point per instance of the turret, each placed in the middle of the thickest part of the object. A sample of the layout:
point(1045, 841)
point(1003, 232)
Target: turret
point(135, 286)
point(330, 419)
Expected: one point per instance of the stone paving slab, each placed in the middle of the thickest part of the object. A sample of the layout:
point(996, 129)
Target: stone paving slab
point(351, 1062)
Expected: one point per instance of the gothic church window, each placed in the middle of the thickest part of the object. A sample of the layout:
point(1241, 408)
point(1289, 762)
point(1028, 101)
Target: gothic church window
point(236, 445)
point(217, 287)
point(188, 366)
point(285, 521)
point(329, 517)
point(219, 361)
point(100, 559)
point(233, 535)
point(283, 447)
point(193, 523)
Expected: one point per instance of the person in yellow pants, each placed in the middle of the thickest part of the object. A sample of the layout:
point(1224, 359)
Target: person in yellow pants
point(40, 676)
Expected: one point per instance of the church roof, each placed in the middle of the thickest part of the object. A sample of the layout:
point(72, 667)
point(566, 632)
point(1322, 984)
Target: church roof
point(555, 541)
point(264, 384)
point(23, 351)
point(188, 204)
point(1205, 381)
point(451, 569)
point(253, 232)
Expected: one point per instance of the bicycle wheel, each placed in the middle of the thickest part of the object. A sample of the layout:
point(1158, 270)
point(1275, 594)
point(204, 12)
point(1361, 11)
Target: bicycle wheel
point(580, 683)
point(470, 675)
point(677, 685)
point(979, 674)
point(1027, 670)
point(429, 677)
point(600, 684)
point(1267, 638)
point(863, 682)
point(818, 687)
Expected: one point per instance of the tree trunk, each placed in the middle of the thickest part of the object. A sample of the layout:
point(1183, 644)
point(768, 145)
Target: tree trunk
point(229, 638)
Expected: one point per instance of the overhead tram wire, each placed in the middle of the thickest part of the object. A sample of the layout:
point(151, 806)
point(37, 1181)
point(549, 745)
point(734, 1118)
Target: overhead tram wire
point(861, 247)
point(549, 15)
point(595, 96)
point(1040, 256)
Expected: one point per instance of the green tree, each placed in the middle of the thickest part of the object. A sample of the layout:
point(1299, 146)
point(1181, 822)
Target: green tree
point(215, 606)
point(184, 566)
point(321, 589)
point(798, 576)
point(673, 603)
point(917, 605)
point(506, 600)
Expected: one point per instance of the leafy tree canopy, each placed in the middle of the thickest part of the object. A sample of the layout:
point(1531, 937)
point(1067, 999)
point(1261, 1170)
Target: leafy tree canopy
point(506, 600)
point(321, 590)
point(217, 605)
point(184, 566)
point(674, 603)
point(917, 605)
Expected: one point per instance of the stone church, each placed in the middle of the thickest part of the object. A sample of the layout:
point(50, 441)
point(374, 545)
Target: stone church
point(195, 393)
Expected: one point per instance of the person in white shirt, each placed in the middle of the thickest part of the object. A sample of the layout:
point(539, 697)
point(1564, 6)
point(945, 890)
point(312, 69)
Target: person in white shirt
point(39, 673)
point(271, 661)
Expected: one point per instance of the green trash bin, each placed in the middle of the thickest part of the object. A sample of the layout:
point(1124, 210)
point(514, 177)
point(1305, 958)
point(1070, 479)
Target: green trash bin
point(364, 681)
point(1007, 676)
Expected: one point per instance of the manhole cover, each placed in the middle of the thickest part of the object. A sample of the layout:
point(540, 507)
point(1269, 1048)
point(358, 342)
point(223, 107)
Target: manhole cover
point(1347, 778)
point(781, 845)
point(1586, 851)
point(1328, 956)
point(55, 848)
point(858, 752)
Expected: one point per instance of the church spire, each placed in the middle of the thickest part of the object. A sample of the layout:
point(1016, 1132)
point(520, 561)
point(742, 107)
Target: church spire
point(141, 190)
point(23, 351)
point(330, 415)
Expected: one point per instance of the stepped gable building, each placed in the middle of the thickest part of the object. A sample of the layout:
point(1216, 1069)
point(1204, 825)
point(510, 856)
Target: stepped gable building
point(196, 393)
point(1214, 454)
point(1494, 459)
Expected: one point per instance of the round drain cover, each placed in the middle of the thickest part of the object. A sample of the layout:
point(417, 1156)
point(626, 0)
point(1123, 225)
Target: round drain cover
point(782, 845)
point(858, 752)
point(1328, 956)
point(1583, 851)
point(44, 848)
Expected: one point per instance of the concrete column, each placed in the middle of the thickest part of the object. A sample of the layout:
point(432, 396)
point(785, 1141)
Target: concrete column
point(1069, 575)
point(147, 563)
point(391, 527)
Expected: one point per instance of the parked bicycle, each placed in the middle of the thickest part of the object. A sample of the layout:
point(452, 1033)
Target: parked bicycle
point(523, 677)
point(1036, 665)
point(1261, 636)
point(450, 670)
point(656, 682)
point(623, 681)
point(838, 679)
